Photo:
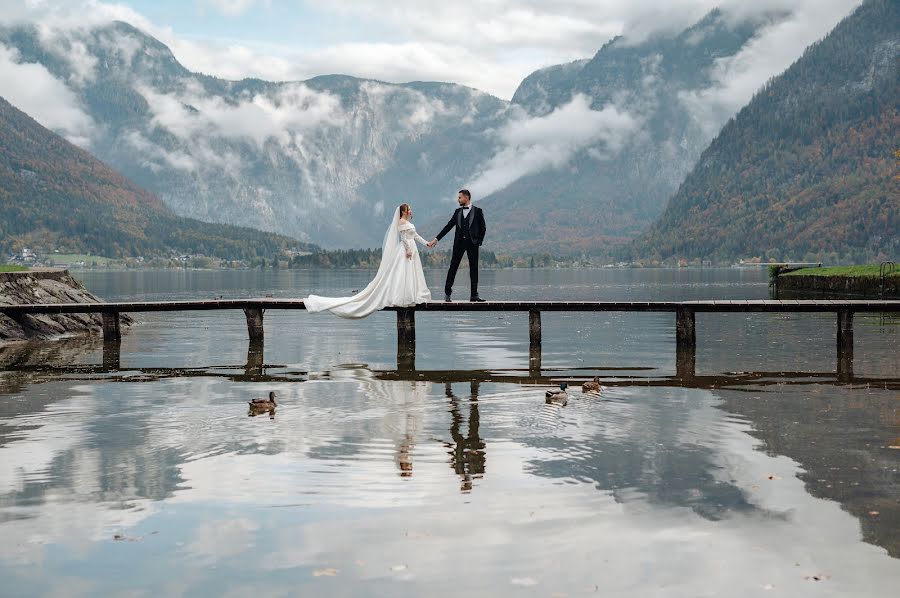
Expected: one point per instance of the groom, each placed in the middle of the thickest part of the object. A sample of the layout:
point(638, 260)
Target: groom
point(470, 228)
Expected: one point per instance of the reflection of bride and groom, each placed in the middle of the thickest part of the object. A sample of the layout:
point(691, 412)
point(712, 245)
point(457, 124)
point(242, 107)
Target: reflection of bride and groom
point(400, 281)
point(404, 402)
point(467, 454)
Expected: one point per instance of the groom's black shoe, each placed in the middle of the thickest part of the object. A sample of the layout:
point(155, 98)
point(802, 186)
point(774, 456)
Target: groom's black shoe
point(476, 299)
point(447, 299)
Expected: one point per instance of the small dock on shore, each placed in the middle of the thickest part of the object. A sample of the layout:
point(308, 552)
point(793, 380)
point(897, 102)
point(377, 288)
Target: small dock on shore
point(685, 319)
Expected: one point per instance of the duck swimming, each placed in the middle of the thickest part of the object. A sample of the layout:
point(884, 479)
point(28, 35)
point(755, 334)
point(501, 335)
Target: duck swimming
point(263, 404)
point(557, 396)
point(591, 385)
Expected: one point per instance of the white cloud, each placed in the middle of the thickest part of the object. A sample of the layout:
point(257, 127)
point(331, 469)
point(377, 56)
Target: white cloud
point(234, 8)
point(491, 46)
point(31, 88)
point(283, 117)
point(736, 78)
point(530, 145)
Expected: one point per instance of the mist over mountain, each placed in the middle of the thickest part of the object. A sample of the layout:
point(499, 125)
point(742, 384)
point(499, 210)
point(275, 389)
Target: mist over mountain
point(318, 160)
point(583, 157)
point(632, 121)
point(56, 195)
point(807, 169)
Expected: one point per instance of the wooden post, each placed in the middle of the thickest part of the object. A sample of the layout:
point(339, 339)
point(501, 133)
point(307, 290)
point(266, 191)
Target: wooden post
point(685, 343)
point(406, 338)
point(111, 354)
point(111, 326)
point(255, 352)
point(254, 324)
point(845, 344)
point(534, 343)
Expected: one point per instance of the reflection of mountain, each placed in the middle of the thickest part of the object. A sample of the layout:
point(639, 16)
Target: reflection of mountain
point(664, 447)
point(840, 438)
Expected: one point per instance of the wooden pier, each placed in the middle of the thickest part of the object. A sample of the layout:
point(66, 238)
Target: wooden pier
point(685, 319)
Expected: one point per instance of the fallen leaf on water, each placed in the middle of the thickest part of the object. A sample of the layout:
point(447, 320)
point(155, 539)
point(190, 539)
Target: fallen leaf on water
point(774, 477)
point(874, 513)
point(329, 572)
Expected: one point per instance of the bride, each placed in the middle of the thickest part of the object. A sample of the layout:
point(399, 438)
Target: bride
point(399, 281)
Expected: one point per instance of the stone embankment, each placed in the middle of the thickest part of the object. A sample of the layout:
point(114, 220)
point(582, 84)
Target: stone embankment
point(47, 286)
point(863, 287)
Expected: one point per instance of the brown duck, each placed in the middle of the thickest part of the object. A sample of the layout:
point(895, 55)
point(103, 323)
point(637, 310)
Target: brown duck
point(591, 385)
point(260, 405)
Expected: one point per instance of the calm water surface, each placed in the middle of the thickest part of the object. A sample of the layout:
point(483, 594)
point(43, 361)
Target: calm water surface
point(763, 476)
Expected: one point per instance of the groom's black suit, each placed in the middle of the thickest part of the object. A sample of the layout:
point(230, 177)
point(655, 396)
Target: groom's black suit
point(469, 236)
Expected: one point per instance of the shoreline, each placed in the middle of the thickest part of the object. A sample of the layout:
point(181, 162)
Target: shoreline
point(864, 282)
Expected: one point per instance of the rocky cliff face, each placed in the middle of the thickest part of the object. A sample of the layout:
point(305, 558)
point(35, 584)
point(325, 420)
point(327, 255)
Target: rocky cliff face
point(46, 286)
point(317, 160)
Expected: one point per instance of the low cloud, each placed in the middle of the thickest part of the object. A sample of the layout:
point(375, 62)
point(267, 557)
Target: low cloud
point(489, 46)
point(530, 145)
point(31, 88)
point(736, 78)
point(282, 117)
point(233, 8)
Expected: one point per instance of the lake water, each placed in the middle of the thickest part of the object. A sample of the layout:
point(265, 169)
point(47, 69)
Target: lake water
point(765, 475)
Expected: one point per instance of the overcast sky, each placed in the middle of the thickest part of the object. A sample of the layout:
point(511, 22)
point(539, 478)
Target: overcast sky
point(488, 44)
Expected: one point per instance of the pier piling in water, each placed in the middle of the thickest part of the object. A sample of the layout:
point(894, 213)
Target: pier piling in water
point(111, 332)
point(685, 343)
point(406, 338)
point(534, 342)
point(845, 343)
point(685, 316)
point(255, 324)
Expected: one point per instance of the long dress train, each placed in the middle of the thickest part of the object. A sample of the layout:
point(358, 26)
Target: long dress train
point(399, 282)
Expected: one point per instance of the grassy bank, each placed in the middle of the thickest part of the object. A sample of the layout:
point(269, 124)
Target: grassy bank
point(867, 271)
point(8, 268)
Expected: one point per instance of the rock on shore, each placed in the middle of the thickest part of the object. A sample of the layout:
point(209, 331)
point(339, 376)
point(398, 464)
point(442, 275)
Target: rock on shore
point(47, 286)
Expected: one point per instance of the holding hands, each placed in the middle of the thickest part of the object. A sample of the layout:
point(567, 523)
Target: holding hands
point(431, 243)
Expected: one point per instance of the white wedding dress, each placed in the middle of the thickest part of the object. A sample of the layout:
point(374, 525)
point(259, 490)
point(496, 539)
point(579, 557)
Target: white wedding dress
point(399, 282)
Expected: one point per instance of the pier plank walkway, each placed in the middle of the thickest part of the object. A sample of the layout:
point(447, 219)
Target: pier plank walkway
point(738, 305)
point(685, 317)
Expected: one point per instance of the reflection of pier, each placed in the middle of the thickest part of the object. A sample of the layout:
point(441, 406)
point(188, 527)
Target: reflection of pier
point(685, 319)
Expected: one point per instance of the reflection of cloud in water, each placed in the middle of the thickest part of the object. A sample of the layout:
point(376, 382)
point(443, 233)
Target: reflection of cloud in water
point(688, 509)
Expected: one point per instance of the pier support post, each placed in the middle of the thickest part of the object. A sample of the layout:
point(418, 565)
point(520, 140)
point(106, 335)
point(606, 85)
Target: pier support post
point(534, 343)
point(685, 343)
point(111, 332)
point(406, 338)
point(111, 355)
point(254, 324)
point(845, 344)
point(255, 353)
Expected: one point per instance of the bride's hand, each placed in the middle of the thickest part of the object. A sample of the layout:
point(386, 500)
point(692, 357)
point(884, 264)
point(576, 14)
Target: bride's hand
point(409, 255)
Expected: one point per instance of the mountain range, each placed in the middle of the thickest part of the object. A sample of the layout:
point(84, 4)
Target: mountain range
point(598, 144)
point(56, 195)
point(613, 187)
point(583, 159)
point(807, 170)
